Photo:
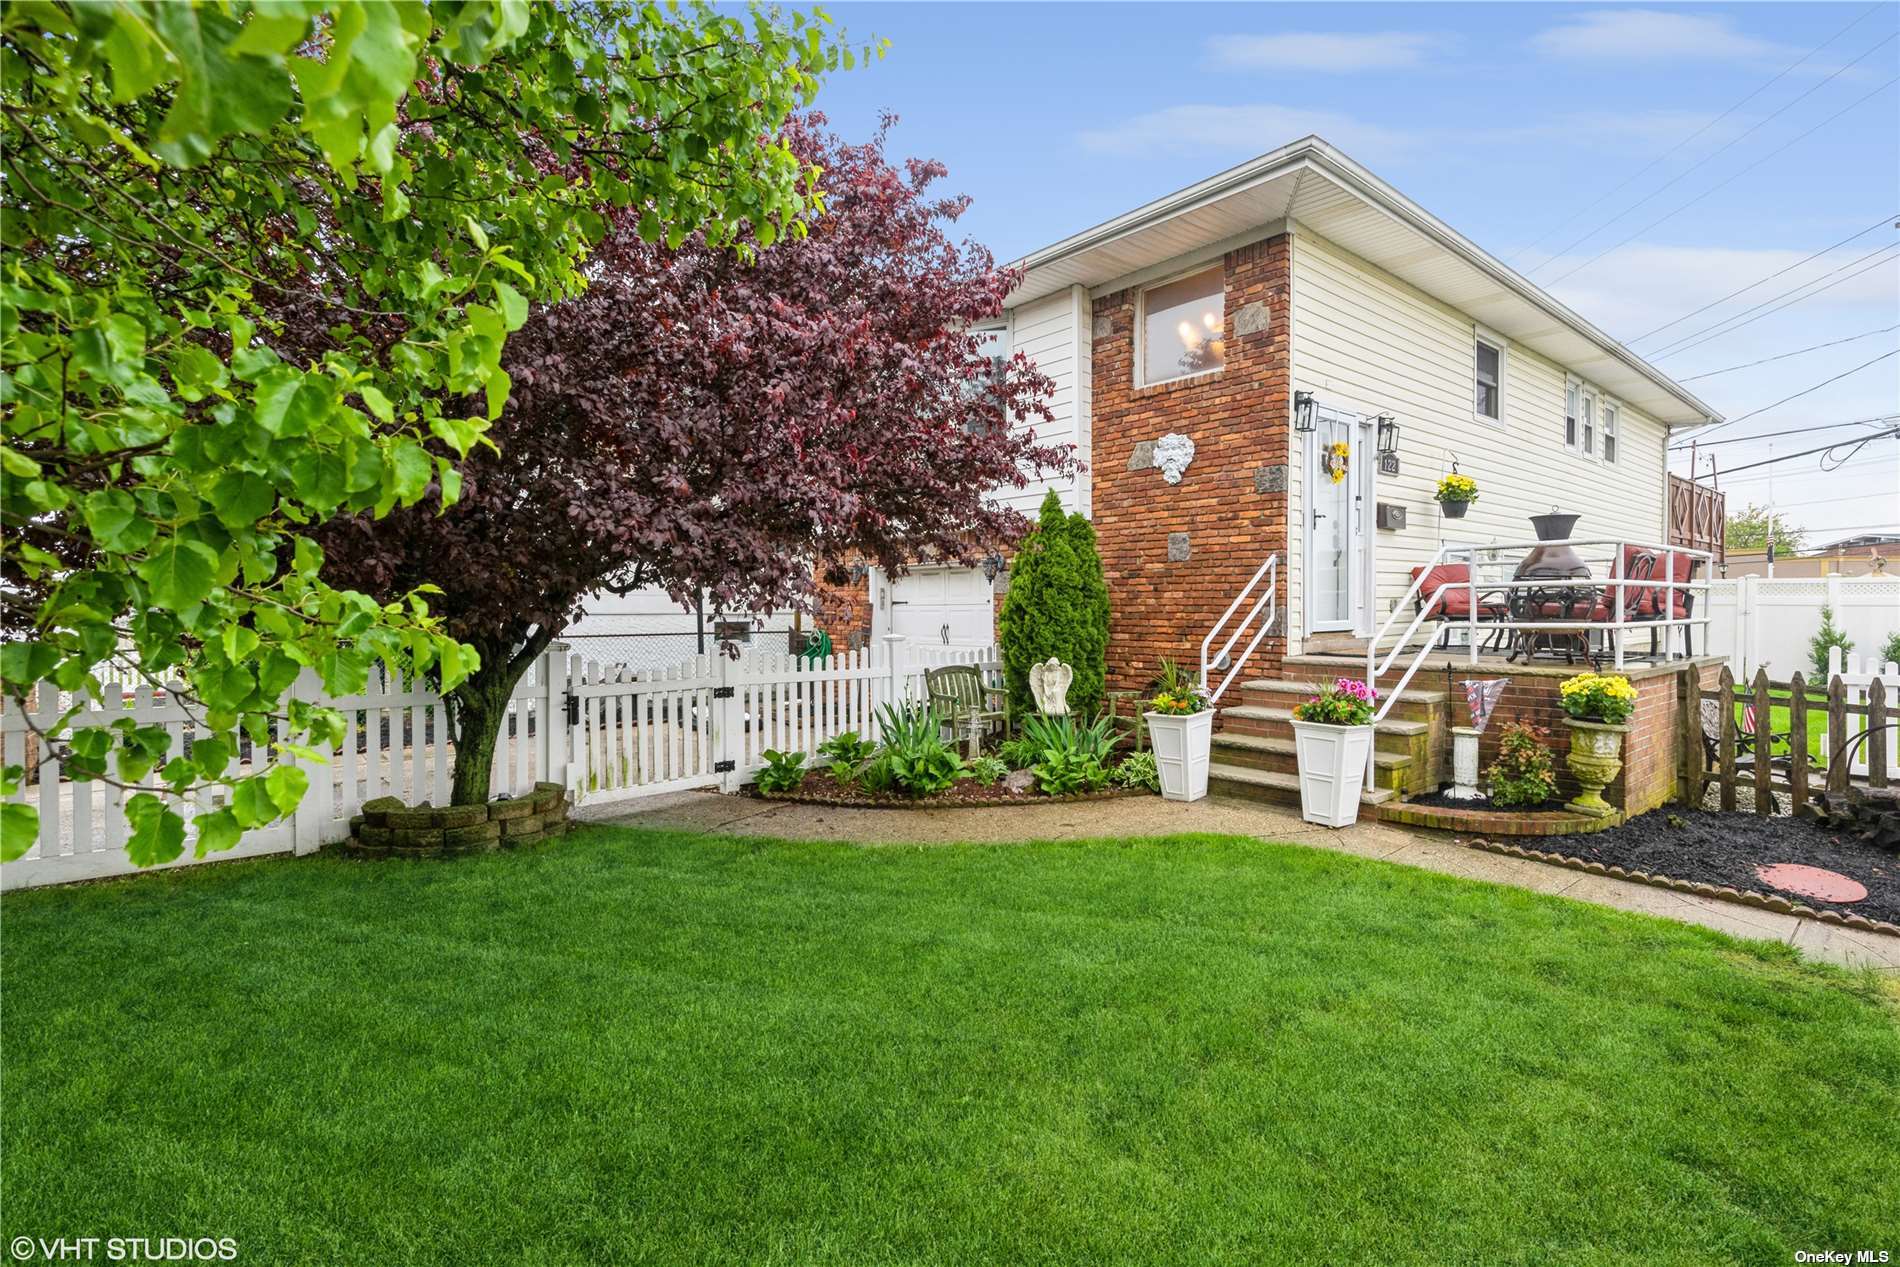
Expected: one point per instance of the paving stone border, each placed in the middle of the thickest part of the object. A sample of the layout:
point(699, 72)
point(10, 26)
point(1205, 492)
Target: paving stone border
point(387, 828)
point(1722, 892)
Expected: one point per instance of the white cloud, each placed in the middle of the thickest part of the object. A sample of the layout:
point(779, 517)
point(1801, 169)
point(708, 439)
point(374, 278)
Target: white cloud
point(1321, 51)
point(1651, 36)
point(1241, 130)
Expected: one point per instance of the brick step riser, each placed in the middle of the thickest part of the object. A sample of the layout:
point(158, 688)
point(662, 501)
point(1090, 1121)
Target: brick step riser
point(1398, 778)
point(1398, 744)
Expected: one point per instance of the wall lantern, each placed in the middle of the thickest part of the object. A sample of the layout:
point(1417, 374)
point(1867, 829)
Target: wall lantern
point(1388, 435)
point(1303, 412)
point(859, 571)
point(992, 567)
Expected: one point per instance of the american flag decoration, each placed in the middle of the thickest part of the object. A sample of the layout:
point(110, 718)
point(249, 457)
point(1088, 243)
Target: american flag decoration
point(1482, 697)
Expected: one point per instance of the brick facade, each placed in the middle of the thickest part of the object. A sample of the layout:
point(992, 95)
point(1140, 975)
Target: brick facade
point(1221, 516)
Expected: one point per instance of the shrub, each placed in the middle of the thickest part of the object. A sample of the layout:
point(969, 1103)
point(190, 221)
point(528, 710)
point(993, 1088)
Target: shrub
point(1137, 769)
point(846, 751)
point(1890, 654)
point(1525, 772)
point(985, 771)
point(1061, 773)
point(1604, 697)
point(1829, 635)
point(1057, 605)
point(1176, 693)
point(1347, 702)
point(921, 763)
point(782, 772)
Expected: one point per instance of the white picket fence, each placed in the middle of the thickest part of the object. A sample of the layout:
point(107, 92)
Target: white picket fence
point(1857, 673)
point(1763, 623)
point(604, 732)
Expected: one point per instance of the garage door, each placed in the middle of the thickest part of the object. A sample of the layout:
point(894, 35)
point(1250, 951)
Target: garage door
point(943, 606)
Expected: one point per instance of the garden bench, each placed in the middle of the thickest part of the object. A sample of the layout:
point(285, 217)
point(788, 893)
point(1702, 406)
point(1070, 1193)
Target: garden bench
point(965, 702)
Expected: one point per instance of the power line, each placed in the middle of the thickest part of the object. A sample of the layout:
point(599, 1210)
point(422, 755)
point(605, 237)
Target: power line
point(1761, 476)
point(1822, 501)
point(1805, 391)
point(1857, 441)
point(1723, 184)
point(1716, 331)
point(1629, 180)
point(1759, 124)
point(1775, 435)
point(1854, 338)
point(1778, 272)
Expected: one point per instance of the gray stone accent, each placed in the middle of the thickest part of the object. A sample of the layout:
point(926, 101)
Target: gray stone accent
point(1103, 327)
point(1177, 547)
point(1143, 458)
point(1253, 318)
point(1270, 479)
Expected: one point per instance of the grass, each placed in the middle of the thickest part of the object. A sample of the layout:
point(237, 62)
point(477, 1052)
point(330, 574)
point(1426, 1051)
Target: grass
point(640, 1047)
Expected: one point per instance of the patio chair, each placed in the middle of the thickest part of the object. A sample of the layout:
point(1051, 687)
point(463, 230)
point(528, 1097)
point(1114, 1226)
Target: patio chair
point(1744, 735)
point(1454, 605)
point(965, 702)
point(1679, 604)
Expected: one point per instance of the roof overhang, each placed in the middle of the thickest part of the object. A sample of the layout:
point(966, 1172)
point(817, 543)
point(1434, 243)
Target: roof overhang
point(1310, 184)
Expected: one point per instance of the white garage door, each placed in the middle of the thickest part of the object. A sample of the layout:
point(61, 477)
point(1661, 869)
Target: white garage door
point(942, 607)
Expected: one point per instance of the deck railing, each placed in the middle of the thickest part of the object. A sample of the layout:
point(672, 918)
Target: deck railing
point(1502, 560)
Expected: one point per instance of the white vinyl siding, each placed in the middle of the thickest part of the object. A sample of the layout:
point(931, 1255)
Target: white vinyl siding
point(1364, 341)
point(1053, 332)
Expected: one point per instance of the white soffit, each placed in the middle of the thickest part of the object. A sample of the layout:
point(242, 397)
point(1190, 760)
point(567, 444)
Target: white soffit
point(1314, 185)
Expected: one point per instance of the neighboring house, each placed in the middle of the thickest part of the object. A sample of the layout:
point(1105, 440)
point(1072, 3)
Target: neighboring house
point(1868, 554)
point(1203, 313)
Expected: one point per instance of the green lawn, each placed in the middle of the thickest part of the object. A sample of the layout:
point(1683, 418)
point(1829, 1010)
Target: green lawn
point(637, 1047)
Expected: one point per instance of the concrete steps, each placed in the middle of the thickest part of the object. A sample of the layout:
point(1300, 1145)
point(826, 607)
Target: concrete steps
point(1410, 747)
point(1256, 752)
point(1274, 787)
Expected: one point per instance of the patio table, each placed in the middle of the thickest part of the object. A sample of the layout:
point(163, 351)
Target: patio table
point(1556, 608)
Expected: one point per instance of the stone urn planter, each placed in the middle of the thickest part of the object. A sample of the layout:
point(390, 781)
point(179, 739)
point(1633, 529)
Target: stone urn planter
point(1596, 758)
point(1332, 762)
point(1182, 742)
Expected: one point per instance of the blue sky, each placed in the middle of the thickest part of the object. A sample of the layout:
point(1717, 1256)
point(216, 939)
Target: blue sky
point(1506, 120)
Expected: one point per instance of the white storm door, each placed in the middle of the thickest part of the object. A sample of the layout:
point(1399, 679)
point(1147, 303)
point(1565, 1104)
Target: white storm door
point(1336, 529)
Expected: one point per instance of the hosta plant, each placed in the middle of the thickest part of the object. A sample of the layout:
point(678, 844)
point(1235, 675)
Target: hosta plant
point(921, 763)
point(985, 771)
point(846, 751)
point(782, 771)
point(1067, 773)
point(1137, 769)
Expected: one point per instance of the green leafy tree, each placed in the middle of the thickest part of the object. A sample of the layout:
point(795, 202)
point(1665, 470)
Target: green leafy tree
point(1827, 637)
point(255, 256)
point(1057, 605)
point(1748, 529)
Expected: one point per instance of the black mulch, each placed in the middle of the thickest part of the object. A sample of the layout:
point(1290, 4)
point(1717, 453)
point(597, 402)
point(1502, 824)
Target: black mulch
point(1724, 849)
point(1445, 800)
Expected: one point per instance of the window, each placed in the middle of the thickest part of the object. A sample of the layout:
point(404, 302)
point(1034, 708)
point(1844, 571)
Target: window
point(992, 343)
point(1589, 425)
point(1573, 405)
point(1490, 373)
point(1183, 327)
point(1609, 431)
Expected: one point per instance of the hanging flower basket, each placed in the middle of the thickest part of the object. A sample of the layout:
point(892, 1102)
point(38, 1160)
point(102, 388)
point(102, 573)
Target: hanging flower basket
point(1456, 493)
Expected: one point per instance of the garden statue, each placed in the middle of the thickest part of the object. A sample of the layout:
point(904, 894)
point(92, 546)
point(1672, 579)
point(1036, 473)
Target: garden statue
point(1049, 683)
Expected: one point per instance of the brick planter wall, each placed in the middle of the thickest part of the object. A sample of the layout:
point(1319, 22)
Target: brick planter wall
point(389, 829)
point(1176, 555)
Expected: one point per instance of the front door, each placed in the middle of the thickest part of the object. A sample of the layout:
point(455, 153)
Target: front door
point(1337, 568)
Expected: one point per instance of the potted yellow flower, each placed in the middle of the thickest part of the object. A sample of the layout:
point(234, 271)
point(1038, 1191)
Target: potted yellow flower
point(1596, 706)
point(1455, 494)
point(1181, 727)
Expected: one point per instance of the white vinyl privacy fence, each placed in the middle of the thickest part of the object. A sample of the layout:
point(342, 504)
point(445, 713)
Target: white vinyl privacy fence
point(1763, 623)
point(604, 732)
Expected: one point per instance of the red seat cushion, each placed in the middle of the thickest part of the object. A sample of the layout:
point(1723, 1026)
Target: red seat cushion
point(1684, 570)
point(1455, 603)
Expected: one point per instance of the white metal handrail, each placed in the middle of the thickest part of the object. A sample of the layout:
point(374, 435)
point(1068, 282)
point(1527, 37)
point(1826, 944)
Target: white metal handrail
point(1269, 601)
point(1377, 667)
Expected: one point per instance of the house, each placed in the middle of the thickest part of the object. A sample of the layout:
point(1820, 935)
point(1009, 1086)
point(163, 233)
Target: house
point(1206, 313)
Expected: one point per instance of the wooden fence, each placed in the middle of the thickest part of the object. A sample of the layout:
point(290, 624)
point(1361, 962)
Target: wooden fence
point(1804, 739)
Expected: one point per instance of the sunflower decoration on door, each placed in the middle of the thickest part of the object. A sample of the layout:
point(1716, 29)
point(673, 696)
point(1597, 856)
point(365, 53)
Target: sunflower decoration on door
point(1334, 461)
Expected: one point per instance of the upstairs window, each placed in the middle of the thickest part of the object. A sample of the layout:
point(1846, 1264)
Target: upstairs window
point(1589, 444)
point(1573, 408)
point(1487, 398)
point(993, 346)
point(1610, 413)
point(1183, 328)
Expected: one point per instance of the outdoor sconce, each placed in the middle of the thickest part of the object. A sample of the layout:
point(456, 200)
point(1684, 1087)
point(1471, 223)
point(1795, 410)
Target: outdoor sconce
point(859, 571)
point(992, 567)
point(1303, 412)
point(1388, 435)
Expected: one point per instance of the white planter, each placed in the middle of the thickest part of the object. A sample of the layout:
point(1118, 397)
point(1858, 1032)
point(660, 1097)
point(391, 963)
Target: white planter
point(1181, 745)
point(1332, 770)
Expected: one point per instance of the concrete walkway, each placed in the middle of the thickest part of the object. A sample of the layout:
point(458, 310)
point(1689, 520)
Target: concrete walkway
point(1152, 816)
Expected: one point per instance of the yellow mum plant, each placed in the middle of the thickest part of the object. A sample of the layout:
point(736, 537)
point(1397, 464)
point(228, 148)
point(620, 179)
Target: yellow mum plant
point(1603, 697)
point(1457, 488)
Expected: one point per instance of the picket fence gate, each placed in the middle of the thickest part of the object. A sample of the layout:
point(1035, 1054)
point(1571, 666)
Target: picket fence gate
point(604, 732)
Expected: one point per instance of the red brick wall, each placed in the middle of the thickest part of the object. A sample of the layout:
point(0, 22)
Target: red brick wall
point(1237, 418)
point(844, 612)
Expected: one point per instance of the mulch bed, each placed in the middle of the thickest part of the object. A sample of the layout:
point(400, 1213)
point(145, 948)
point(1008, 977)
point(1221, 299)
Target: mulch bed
point(1443, 799)
point(1724, 850)
point(819, 788)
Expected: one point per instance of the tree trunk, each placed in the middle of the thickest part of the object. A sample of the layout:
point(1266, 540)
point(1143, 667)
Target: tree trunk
point(481, 711)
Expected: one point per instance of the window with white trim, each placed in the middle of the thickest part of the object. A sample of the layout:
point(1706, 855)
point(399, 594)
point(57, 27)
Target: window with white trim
point(1610, 418)
point(1488, 380)
point(1183, 327)
point(1588, 430)
point(993, 346)
point(1573, 411)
